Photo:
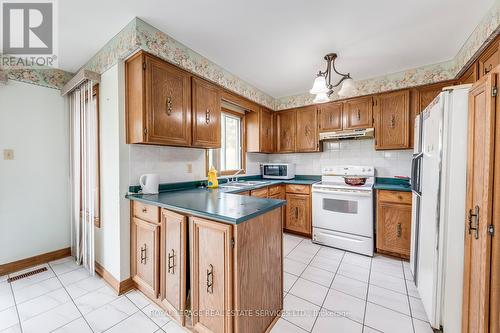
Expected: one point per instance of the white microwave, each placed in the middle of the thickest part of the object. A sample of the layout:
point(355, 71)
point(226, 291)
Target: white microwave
point(277, 170)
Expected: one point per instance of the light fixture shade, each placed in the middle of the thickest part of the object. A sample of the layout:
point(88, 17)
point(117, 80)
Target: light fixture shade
point(319, 86)
point(348, 88)
point(321, 98)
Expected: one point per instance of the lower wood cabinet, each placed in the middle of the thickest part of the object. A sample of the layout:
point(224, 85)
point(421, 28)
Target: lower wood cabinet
point(394, 223)
point(298, 213)
point(260, 192)
point(211, 275)
point(173, 263)
point(145, 240)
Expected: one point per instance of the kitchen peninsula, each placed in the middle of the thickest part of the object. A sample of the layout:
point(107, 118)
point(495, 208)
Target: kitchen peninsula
point(213, 259)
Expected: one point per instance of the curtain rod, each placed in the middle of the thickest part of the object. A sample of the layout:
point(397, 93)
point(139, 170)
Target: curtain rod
point(80, 77)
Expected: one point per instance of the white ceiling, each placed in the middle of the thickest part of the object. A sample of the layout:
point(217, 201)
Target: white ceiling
point(278, 45)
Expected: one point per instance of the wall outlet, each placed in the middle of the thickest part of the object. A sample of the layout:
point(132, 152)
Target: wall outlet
point(189, 168)
point(8, 154)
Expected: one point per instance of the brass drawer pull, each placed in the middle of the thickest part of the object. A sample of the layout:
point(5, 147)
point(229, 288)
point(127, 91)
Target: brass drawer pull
point(207, 116)
point(143, 254)
point(474, 215)
point(399, 230)
point(169, 105)
point(210, 279)
point(171, 262)
point(393, 121)
point(144, 210)
point(359, 115)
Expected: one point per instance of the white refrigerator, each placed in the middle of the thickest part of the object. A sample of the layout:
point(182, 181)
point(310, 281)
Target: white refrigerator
point(438, 219)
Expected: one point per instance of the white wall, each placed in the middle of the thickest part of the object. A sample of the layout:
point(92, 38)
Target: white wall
point(388, 163)
point(112, 240)
point(34, 187)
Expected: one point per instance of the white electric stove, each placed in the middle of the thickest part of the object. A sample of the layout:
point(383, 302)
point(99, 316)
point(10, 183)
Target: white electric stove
point(342, 215)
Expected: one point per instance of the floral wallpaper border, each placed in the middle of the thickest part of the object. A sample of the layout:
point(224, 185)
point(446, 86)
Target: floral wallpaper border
point(138, 34)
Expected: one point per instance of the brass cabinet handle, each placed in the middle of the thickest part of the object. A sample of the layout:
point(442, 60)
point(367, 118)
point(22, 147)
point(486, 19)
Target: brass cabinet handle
point(488, 69)
point(474, 215)
point(399, 230)
point(393, 121)
point(171, 262)
point(144, 210)
point(169, 105)
point(210, 279)
point(207, 116)
point(143, 254)
point(359, 115)
point(296, 212)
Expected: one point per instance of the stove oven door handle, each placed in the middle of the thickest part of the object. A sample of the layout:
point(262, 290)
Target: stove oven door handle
point(342, 193)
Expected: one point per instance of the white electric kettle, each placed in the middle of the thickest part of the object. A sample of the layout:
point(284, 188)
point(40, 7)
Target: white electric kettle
point(149, 183)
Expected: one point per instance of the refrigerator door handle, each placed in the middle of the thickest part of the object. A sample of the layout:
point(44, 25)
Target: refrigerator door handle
point(415, 173)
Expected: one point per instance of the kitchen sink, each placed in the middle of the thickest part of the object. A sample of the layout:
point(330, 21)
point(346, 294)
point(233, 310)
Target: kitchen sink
point(243, 184)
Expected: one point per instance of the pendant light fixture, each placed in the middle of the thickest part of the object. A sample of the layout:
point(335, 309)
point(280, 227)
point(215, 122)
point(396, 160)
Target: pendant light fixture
point(323, 86)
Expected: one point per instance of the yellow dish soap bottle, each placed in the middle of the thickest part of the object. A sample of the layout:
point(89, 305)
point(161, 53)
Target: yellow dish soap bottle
point(212, 178)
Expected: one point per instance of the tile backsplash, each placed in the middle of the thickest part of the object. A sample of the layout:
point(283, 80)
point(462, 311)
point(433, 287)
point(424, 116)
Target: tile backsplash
point(388, 163)
point(172, 163)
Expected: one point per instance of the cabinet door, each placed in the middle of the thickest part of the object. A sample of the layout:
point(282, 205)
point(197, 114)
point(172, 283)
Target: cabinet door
point(168, 100)
point(394, 228)
point(307, 129)
point(145, 261)
point(206, 114)
point(266, 131)
point(285, 131)
point(330, 117)
point(298, 213)
point(358, 113)
point(392, 111)
point(470, 75)
point(489, 59)
point(211, 279)
point(173, 263)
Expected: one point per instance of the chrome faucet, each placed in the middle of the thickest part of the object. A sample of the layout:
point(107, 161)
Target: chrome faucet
point(233, 177)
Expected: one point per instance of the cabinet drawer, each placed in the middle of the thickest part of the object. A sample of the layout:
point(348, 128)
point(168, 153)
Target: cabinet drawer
point(394, 196)
point(300, 189)
point(260, 192)
point(275, 189)
point(146, 212)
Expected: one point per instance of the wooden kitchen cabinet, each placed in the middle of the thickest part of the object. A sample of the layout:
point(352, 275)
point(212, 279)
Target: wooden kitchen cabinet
point(307, 138)
point(173, 264)
point(145, 241)
point(393, 223)
point(206, 108)
point(259, 131)
point(298, 214)
point(260, 192)
point(211, 276)
point(489, 59)
point(470, 75)
point(330, 117)
point(285, 131)
point(158, 102)
point(392, 125)
point(358, 113)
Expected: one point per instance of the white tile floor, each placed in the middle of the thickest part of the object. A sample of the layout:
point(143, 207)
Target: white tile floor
point(326, 290)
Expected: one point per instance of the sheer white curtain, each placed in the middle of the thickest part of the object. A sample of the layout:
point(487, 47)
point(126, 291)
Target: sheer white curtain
point(84, 149)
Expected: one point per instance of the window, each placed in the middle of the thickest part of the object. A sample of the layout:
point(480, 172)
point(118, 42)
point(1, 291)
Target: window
point(230, 158)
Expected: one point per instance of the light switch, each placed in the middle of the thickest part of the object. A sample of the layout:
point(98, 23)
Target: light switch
point(8, 154)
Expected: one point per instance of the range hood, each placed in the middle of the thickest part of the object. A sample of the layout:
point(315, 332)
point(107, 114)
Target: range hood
point(348, 134)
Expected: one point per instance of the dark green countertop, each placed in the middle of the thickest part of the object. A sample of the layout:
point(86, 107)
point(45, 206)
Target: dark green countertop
point(392, 184)
point(222, 204)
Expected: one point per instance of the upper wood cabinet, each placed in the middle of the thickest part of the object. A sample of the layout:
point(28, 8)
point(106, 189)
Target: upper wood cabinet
point(206, 106)
point(173, 265)
point(358, 113)
point(307, 138)
point(285, 131)
point(489, 59)
point(470, 75)
point(158, 102)
point(330, 117)
point(423, 96)
point(392, 128)
point(259, 131)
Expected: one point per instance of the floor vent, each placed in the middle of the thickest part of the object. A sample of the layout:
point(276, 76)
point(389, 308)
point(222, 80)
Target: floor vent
point(24, 275)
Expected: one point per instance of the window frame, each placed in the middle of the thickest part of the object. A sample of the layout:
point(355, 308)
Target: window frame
point(243, 144)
